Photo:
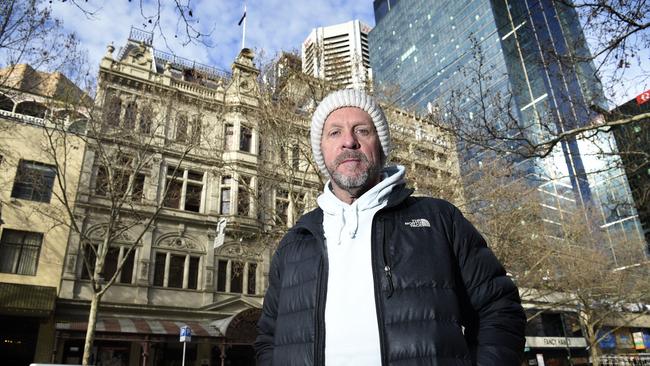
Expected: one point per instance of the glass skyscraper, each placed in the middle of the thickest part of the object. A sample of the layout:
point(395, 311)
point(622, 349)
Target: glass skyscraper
point(528, 60)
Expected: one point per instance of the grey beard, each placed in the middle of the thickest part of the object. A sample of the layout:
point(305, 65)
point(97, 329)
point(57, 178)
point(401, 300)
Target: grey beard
point(356, 184)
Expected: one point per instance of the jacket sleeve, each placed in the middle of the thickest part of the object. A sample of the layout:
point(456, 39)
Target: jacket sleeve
point(496, 325)
point(266, 324)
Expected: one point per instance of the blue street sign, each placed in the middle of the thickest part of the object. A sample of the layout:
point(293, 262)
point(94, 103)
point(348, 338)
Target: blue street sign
point(186, 334)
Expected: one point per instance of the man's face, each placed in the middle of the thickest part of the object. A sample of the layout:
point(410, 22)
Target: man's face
point(351, 150)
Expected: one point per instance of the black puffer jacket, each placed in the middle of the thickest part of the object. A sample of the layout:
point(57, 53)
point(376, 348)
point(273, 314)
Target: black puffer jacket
point(433, 275)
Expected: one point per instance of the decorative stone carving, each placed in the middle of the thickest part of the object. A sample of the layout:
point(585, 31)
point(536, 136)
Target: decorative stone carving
point(178, 242)
point(99, 232)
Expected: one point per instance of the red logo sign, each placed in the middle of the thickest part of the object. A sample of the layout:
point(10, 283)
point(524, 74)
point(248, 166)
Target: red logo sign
point(643, 97)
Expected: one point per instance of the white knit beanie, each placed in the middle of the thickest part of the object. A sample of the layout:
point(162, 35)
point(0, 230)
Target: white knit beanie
point(348, 98)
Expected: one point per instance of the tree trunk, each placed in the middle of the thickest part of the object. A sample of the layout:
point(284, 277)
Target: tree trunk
point(90, 332)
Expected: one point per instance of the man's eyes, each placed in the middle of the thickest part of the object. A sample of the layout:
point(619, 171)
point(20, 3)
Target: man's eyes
point(363, 131)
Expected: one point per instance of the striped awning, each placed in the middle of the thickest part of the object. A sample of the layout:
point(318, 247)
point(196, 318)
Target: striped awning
point(143, 326)
point(27, 299)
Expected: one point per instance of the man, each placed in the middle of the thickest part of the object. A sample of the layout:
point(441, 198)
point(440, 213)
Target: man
point(377, 277)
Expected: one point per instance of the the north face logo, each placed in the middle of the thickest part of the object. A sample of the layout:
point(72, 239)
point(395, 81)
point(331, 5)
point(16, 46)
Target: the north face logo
point(418, 223)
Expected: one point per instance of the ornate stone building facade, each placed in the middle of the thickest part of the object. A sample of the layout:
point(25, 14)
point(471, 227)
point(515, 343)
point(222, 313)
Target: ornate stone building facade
point(202, 227)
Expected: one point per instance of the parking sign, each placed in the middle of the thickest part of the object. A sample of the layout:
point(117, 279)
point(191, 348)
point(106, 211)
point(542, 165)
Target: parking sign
point(186, 334)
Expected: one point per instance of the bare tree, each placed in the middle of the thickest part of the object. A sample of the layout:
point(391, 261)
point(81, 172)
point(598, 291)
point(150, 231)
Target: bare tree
point(187, 26)
point(29, 34)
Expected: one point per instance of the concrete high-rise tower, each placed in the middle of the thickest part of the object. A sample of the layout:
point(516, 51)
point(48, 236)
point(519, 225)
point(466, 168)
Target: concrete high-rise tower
point(338, 53)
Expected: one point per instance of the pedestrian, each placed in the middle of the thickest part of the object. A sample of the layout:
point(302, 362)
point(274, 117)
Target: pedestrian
point(374, 276)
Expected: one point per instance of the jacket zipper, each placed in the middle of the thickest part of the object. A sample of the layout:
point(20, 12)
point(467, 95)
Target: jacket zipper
point(377, 282)
point(387, 269)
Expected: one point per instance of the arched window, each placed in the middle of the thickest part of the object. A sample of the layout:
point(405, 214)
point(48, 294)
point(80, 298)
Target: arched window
point(31, 108)
point(6, 104)
point(178, 262)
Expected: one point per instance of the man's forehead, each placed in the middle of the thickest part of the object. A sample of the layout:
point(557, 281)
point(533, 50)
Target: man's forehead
point(349, 114)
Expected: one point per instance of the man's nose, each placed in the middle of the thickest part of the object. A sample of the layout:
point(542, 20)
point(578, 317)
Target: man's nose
point(350, 140)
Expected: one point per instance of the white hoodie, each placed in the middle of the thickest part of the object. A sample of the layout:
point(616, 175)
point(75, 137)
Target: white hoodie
point(351, 330)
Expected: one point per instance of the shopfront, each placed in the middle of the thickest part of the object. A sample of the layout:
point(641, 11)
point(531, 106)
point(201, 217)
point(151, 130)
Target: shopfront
point(621, 346)
point(129, 341)
point(554, 339)
point(26, 326)
point(556, 351)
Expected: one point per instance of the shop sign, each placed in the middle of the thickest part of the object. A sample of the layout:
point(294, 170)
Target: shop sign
point(555, 342)
point(607, 342)
point(646, 339)
point(624, 339)
point(638, 340)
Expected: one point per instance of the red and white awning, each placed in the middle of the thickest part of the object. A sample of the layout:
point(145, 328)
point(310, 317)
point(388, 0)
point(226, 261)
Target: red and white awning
point(143, 326)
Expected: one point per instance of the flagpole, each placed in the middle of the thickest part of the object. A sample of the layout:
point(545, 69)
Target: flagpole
point(243, 37)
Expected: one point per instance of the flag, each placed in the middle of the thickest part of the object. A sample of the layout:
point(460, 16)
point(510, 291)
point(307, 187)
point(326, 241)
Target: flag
point(641, 98)
point(242, 18)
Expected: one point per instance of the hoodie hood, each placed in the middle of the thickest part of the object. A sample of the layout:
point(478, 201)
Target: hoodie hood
point(348, 215)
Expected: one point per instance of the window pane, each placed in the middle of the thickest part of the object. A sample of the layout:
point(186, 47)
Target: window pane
point(176, 268)
point(101, 182)
point(252, 268)
point(110, 263)
point(237, 277)
point(159, 272)
point(243, 199)
point(34, 181)
point(229, 137)
point(127, 270)
point(173, 197)
point(193, 197)
point(193, 278)
point(138, 188)
point(194, 175)
point(19, 251)
point(225, 201)
point(281, 211)
point(221, 275)
point(243, 202)
point(112, 109)
point(130, 112)
point(121, 181)
point(245, 139)
point(89, 254)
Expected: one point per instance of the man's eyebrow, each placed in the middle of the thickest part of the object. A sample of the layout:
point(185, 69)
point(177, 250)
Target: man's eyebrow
point(355, 122)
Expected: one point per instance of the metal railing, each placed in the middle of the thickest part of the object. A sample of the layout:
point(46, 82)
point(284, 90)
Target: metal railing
point(183, 63)
point(140, 35)
point(625, 360)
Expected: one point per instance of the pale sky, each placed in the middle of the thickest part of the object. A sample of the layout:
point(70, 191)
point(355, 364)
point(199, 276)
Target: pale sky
point(272, 26)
